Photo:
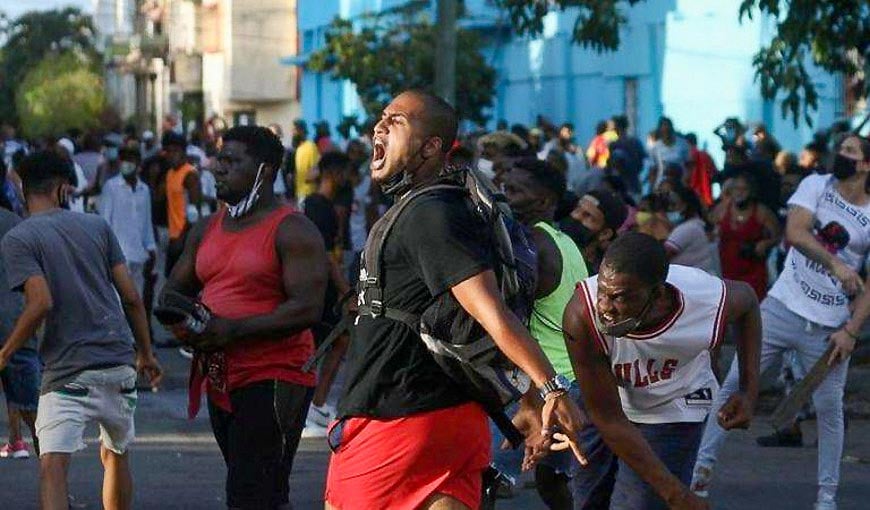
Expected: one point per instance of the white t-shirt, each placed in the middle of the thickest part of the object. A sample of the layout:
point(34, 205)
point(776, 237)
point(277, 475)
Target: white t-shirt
point(805, 287)
point(665, 376)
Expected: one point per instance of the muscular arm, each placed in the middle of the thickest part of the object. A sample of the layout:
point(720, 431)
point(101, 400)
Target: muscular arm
point(549, 263)
point(480, 297)
point(37, 304)
point(304, 269)
point(601, 398)
point(741, 308)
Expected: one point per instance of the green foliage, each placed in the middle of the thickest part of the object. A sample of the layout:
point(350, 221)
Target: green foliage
point(35, 35)
point(597, 24)
point(833, 34)
point(59, 94)
point(386, 55)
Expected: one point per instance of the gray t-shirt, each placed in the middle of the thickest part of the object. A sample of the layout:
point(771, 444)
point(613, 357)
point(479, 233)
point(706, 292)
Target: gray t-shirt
point(11, 302)
point(86, 328)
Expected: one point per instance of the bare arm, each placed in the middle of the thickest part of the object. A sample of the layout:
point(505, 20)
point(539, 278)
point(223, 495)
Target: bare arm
point(741, 308)
point(480, 297)
point(134, 309)
point(844, 338)
point(37, 304)
point(601, 398)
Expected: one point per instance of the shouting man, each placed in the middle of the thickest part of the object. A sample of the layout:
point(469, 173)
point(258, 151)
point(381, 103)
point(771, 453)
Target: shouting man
point(395, 443)
point(639, 335)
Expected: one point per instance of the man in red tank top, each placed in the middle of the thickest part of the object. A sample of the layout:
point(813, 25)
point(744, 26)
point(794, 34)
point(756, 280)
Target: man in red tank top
point(261, 269)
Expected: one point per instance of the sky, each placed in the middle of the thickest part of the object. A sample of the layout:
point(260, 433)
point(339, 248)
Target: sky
point(15, 8)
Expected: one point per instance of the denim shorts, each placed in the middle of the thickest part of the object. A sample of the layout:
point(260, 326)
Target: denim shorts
point(21, 380)
point(106, 396)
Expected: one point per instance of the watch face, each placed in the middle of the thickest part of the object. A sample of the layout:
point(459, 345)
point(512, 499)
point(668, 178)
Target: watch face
point(562, 382)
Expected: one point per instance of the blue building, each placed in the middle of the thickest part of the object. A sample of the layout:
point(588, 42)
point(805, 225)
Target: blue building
point(690, 60)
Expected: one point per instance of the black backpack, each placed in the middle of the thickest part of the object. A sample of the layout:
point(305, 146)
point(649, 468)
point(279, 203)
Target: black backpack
point(459, 345)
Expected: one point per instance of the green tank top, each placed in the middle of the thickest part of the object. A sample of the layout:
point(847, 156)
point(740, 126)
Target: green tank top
point(545, 324)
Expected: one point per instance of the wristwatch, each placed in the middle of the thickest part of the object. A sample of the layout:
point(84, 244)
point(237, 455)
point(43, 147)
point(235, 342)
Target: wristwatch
point(556, 383)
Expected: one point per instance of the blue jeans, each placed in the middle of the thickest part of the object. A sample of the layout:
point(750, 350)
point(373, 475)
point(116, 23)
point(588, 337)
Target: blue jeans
point(676, 444)
point(589, 485)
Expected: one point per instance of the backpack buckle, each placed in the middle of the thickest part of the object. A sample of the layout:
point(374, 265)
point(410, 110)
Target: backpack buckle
point(377, 308)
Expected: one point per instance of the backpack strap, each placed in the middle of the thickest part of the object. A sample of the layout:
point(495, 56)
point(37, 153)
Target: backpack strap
point(373, 286)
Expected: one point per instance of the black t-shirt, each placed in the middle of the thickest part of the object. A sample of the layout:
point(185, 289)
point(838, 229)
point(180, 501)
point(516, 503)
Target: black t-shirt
point(321, 212)
point(436, 243)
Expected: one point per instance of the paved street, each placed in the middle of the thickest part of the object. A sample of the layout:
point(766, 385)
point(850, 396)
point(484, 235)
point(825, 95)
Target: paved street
point(177, 465)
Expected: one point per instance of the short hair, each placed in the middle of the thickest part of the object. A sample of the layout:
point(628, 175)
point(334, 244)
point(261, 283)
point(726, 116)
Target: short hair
point(692, 138)
point(638, 255)
point(128, 153)
point(41, 171)
point(260, 143)
point(611, 206)
point(173, 139)
point(440, 118)
point(621, 122)
point(333, 162)
point(544, 174)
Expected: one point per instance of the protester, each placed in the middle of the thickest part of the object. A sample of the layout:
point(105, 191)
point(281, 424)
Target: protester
point(594, 223)
point(305, 157)
point(21, 377)
point(689, 242)
point(668, 147)
point(747, 232)
point(72, 272)
point(635, 154)
point(125, 204)
point(260, 268)
point(396, 397)
point(183, 192)
point(809, 306)
point(533, 190)
point(639, 336)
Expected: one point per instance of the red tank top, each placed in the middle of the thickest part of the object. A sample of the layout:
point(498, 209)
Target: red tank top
point(732, 238)
point(242, 277)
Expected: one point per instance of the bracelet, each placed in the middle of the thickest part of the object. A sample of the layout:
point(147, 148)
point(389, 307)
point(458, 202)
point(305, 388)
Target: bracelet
point(851, 335)
point(552, 395)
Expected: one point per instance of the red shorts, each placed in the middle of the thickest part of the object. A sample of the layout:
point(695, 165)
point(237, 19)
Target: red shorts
point(400, 463)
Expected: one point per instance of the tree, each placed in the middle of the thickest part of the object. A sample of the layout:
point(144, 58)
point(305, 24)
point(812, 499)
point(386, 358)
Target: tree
point(59, 94)
point(35, 35)
point(833, 34)
point(392, 52)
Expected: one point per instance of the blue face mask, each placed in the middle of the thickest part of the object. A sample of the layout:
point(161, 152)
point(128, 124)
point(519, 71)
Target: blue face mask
point(675, 217)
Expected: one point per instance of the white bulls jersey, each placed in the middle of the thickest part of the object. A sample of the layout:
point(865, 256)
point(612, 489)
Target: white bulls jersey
point(664, 376)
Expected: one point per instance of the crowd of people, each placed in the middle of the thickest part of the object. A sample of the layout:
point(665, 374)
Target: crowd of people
point(646, 259)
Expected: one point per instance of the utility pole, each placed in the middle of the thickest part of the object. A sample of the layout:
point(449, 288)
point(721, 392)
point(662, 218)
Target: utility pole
point(445, 51)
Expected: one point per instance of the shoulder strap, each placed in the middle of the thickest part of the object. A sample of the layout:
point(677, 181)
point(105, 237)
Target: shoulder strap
point(372, 254)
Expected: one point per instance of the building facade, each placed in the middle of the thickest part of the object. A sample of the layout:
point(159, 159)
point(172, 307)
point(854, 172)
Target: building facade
point(690, 60)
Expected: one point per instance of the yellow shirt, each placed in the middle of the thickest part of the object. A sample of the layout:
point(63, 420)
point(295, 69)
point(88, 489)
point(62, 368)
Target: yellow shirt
point(305, 157)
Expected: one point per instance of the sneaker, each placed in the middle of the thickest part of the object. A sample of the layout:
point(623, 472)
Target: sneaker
point(313, 430)
point(321, 415)
point(825, 505)
point(701, 479)
point(186, 352)
point(16, 450)
point(781, 439)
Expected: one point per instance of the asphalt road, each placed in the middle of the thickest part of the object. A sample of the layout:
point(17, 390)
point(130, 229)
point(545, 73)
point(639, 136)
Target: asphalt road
point(176, 464)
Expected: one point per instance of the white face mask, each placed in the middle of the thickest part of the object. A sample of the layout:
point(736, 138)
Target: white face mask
point(246, 204)
point(128, 168)
point(485, 167)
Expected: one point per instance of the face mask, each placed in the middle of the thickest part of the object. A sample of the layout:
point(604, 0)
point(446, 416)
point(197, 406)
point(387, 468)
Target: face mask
point(243, 206)
point(844, 167)
point(675, 217)
point(127, 168)
point(111, 153)
point(402, 182)
point(625, 326)
point(577, 231)
point(62, 198)
point(485, 167)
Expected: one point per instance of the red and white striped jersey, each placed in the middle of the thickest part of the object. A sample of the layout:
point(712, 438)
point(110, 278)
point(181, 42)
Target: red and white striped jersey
point(665, 376)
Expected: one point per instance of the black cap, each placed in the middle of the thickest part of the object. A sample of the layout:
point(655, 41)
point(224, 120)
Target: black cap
point(614, 208)
point(173, 139)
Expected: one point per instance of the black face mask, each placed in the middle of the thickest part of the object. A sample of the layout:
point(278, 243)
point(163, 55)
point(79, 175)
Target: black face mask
point(844, 167)
point(577, 231)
